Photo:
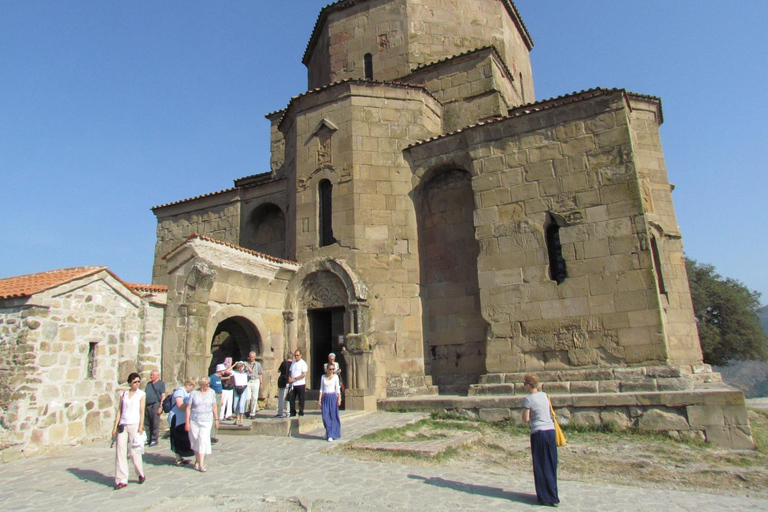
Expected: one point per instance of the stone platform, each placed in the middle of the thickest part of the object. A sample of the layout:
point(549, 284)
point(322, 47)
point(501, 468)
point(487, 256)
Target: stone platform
point(266, 424)
point(718, 416)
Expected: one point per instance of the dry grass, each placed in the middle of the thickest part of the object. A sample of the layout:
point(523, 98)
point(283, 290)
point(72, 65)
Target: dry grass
point(600, 455)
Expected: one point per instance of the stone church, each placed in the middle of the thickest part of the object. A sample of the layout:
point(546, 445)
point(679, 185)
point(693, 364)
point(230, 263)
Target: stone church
point(430, 221)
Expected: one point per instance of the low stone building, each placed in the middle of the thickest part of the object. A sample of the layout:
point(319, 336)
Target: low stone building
point(68, 340)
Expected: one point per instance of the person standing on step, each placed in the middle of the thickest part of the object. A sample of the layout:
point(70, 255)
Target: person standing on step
point(240, 378)
point(215, 383)
point(282, 385)
point(329, 402)
point(254, 370)
point(228, 390)
point(297, 379)
point(155, 392)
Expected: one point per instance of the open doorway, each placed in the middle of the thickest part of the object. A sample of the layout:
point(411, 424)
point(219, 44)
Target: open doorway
point(326, 334)
point(235, 337)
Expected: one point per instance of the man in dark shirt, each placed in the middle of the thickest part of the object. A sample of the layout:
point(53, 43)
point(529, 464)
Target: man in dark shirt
point(282, 385)
point(155, 391)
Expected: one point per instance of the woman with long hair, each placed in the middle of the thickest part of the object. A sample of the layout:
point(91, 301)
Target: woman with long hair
point(330, 401)
point(201, 416)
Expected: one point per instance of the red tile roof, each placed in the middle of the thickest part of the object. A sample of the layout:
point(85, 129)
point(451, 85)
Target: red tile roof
point(193, 198)
point(233, 246)
point(146, 288)
point(30, 284)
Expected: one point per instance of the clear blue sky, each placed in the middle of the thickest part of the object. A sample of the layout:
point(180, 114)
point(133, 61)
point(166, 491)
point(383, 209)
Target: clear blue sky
point(110, 107)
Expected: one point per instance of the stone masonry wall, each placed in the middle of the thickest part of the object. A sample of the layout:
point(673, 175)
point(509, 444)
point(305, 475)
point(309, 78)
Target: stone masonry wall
point(661, 224)
point(402, 35)
point(219, 219)
point(56, 398)
point(570, 164)
point(470, 88)
point(373, 215)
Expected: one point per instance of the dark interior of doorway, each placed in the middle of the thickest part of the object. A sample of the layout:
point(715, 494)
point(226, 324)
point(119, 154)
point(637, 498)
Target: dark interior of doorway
point(235, 338)
point(326, 326)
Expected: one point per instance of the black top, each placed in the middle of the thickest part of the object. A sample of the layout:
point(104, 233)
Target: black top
point(282, 380)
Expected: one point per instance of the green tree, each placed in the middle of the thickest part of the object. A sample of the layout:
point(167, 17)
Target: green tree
point(726, 313)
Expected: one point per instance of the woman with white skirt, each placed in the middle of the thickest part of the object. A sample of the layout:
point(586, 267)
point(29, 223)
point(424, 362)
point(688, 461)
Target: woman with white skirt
point(201, 416)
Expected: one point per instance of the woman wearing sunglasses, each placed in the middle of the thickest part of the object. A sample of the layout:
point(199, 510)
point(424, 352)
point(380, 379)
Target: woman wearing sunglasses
point(129, 423)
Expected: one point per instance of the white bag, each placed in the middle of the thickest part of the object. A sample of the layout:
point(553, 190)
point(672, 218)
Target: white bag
point(139, 440)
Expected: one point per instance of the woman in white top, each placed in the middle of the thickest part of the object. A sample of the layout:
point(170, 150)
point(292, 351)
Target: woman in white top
point(201, 416)
point(129, 423)
point(241, 391)
point(329, 402)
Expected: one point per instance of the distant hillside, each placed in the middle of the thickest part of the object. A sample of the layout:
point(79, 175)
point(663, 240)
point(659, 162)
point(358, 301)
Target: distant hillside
point(749, 376)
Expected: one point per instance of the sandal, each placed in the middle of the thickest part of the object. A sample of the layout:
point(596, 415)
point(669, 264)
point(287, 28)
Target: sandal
point(179, 462)
point(202, 469)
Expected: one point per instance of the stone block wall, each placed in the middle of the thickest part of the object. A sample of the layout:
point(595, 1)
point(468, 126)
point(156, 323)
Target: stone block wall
point(217, 216)
point(663, 234)
point(572, 164)
point(64, 358)
point(373, 216)
point(470, 87)
point(402, 35)
point(210, 283)
point(715, 416)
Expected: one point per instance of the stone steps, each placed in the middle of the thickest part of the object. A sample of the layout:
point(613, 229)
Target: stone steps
point(266, 424)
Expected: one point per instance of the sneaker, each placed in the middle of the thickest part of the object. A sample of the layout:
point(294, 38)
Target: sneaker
point(153, 443)
point(330, 439)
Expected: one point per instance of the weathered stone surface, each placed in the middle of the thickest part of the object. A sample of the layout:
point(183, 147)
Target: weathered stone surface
point(659, 420)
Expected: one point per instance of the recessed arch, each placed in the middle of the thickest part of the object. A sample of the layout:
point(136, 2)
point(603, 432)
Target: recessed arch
point(264, 230)
point(453, 326)
point(234, 337)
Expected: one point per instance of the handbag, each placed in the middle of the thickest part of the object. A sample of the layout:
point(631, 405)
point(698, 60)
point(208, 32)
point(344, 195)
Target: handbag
point(559, 436)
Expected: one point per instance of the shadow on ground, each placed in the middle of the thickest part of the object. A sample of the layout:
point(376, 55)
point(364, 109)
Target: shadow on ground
point(483, 490)
point(90, 475)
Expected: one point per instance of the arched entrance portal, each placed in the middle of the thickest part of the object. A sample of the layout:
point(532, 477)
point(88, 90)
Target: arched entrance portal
point(234, 337)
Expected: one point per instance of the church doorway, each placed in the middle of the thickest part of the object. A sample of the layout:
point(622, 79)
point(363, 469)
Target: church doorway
point(326, 335)
point(235, 337)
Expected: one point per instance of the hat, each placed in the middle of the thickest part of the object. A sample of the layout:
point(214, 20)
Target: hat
point(220, 367)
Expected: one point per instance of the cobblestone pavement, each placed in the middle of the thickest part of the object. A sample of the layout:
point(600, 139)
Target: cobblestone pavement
point(298, 474)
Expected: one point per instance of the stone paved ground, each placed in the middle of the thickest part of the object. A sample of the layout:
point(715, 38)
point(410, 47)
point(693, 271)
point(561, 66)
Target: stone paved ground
point(297, 474)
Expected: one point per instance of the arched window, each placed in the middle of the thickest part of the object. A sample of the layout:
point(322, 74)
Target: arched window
point(557, 269)
point(325, 196)
point(368, 58)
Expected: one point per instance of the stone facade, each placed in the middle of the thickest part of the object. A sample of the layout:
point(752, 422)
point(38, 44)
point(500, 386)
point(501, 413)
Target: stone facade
point(65, 353)
point(430, 221)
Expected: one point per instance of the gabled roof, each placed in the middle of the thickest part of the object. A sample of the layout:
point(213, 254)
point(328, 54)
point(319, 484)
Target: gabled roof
point(30, 284)
point(354, 81)
point(340, 5)
point(193, 236)
point(542, 105)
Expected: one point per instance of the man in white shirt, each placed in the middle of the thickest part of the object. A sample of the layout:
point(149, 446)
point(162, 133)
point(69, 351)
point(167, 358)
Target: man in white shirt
point(297, 377)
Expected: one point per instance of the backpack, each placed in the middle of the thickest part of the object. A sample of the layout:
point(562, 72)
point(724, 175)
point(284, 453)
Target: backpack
point(168, 403)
